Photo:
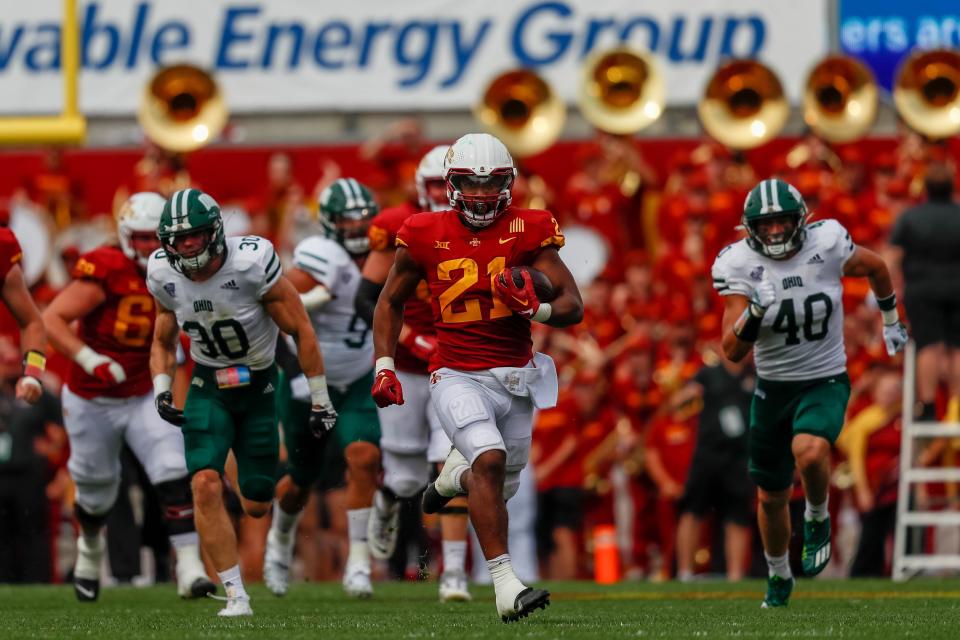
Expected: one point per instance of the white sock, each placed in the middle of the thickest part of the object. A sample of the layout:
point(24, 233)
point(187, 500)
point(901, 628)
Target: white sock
point(454, 555)
point(779, 566)
point(184, 540)
point(816, 512)
point(357, 520)
point(232, 582)
point(284, 523)
point(501, 570)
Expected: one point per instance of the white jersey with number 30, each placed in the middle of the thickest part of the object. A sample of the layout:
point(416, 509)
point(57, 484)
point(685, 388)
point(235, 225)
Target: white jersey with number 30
point(801, 337)
point(226, 322)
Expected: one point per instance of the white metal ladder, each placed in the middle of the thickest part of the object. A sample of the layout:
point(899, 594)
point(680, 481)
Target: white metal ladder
point(907, 565)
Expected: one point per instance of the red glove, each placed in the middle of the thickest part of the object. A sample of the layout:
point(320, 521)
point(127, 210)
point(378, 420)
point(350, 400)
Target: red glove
point(386, 389)
point(521, 300)
point(420, 345)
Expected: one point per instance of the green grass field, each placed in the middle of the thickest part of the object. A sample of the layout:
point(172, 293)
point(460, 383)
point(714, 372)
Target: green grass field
point(820, 609)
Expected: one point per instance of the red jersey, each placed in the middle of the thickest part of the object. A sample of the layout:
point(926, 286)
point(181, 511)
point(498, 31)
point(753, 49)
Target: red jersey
point(417, 313)
point(475, 330)
point(120, 328)
point(674, 440)
point(10, 252)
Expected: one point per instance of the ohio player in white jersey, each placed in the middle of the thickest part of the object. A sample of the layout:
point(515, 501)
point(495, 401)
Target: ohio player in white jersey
point(230, 297)
point(327, 273)
point(783, 300)
point(413, 441)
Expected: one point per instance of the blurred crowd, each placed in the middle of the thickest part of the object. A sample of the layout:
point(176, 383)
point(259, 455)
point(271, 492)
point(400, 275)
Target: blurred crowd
point(650, 432)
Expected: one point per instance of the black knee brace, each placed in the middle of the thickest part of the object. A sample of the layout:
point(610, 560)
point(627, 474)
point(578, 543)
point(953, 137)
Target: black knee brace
point(176, 498)
point(88, 522)
point(453, 511)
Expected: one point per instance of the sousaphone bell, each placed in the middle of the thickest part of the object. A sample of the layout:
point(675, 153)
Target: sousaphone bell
point(182, 108)
point(927, 92)
point(521, 109)
point(743, 105)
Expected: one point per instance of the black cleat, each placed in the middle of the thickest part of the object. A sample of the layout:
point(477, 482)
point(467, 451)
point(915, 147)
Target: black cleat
point(528, 601)
point(433, 501)
point(86, 590)
point(202, 587)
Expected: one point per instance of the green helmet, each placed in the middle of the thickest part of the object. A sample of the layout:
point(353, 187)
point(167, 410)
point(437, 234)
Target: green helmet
point(346, 209)
point(774, 198)
point(188, 211)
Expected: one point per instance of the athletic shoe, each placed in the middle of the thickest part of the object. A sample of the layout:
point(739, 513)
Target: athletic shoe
point(444, 489)
point(526, 602)
point(276, 563)
point(237, 606)
point(453, 586)
point(383, 527)
point(86, 570)
point(816, 546)
point(192, 580)
point(778, 592)
point(356, 581)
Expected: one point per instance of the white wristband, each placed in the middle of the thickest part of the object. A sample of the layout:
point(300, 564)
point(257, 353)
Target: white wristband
point(319, 395)
point(386, 362)
point(543, 312)
point(87, 358)
point(890, 317)
point(161, 384)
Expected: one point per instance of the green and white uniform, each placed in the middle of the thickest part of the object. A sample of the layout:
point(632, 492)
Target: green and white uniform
point(345, 339)
point(347, 346)
point(231, 402)
point(802, 385)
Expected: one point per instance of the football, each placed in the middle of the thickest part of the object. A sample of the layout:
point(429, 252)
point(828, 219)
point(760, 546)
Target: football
point(541, 283)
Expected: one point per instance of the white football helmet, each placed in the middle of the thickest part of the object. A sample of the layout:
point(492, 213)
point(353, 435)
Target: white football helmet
point(479, 173)
point(140, 214)
point(430, 170)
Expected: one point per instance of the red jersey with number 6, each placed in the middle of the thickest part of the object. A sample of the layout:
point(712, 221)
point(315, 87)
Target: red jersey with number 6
point(120, 328)
point(417, 313)
point(475, 329)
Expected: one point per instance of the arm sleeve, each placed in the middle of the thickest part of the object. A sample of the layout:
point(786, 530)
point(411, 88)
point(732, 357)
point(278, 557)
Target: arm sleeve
point(842, 246)
point(259, 268)
point(313, 256)
point(727, 280)
point(366, 301)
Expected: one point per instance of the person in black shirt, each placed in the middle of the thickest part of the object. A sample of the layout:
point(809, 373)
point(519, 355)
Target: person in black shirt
point(718, 476)
point(24, 509)
point(926, 242)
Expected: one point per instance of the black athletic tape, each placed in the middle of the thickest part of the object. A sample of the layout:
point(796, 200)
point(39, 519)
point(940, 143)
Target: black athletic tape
point(747, 326)
point(176, 499)
point(453, 511)
point(887, 304)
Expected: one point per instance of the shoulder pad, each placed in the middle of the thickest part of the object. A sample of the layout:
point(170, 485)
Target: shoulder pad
point(100, 263)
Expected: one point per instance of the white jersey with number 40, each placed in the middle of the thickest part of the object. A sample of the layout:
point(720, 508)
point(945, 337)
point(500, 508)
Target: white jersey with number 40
point(224, 317)
point(345, 340)
point(801, 337)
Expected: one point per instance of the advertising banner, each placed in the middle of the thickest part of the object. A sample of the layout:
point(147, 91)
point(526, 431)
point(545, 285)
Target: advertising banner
point(380, 55)
point(882, 32)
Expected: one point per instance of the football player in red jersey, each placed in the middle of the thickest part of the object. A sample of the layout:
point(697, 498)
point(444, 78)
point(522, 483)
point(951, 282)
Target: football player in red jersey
point(16, 295)
point(108, 398)
point(412, 439)
point(485, 379)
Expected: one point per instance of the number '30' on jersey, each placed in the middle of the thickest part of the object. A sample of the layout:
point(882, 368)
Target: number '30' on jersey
point(223, 316)
point(801, 337)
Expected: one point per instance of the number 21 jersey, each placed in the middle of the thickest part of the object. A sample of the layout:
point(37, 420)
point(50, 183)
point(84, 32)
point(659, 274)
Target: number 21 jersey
point(475, 330)
point(226, 322)
point(801, 337)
